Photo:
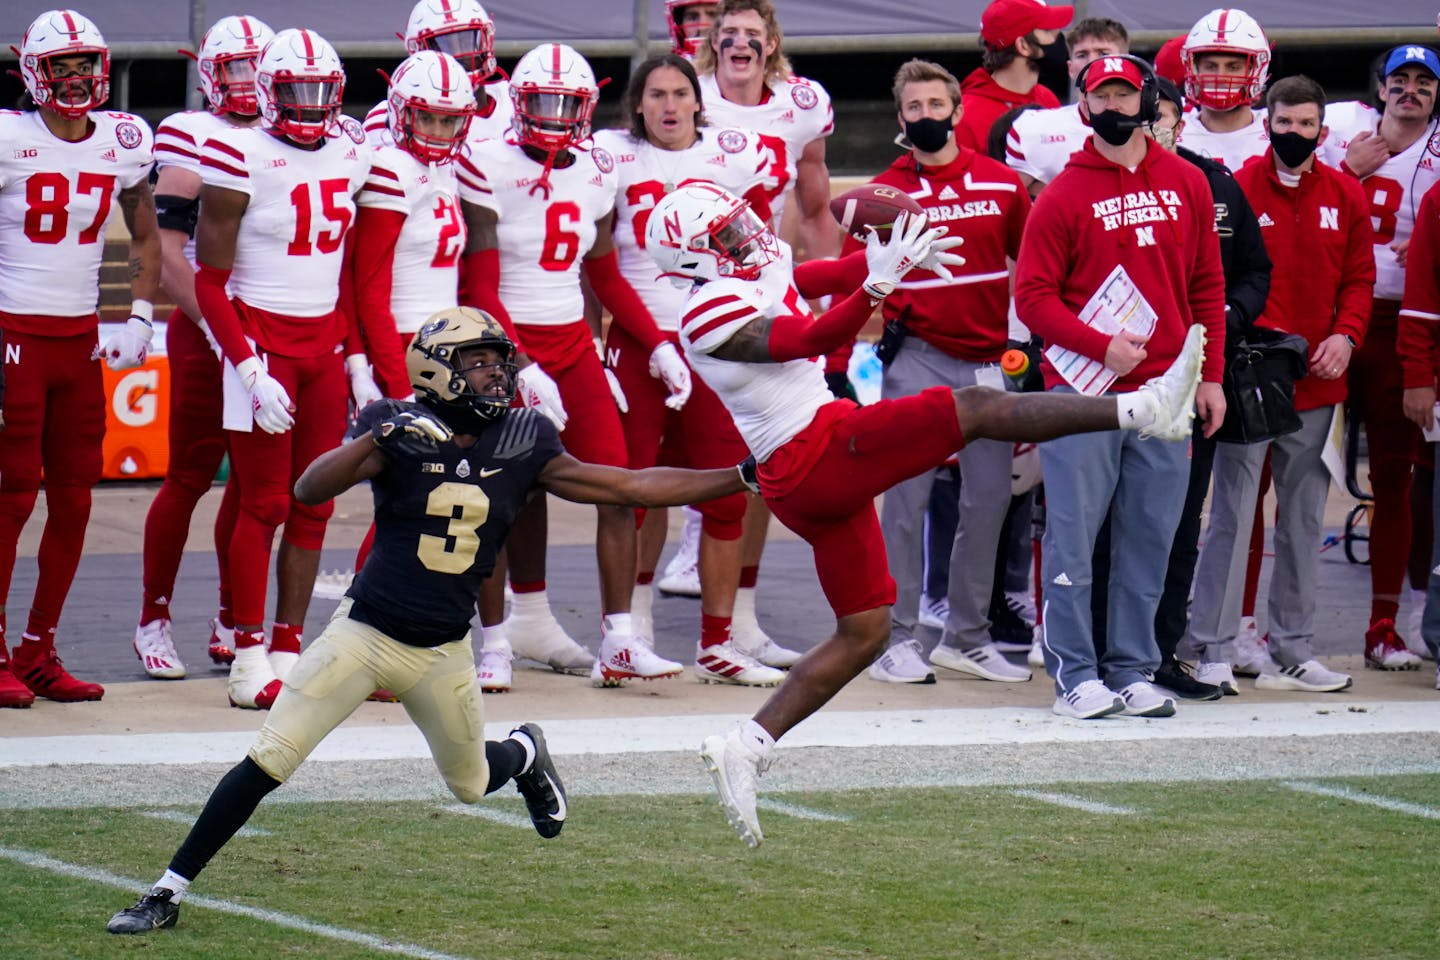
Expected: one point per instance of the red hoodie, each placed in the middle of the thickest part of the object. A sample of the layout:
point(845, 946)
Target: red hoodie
point(985, 101)
point(1319, 239)
point(1418, 340)
point(1159, 223)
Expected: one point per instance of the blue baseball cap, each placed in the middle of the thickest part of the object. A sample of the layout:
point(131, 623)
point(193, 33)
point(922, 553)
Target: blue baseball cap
point(1407, 54)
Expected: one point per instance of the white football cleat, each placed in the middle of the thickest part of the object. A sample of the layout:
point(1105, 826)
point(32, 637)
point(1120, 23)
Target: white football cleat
point(682, 574)
point(535, 634)
point(727, 663)
point(282, 662)
point(1173, 392)
point(494, 672)
point(751, 640)
point(253, 684)
point(625, 658)
point(155, 647)
point(222, 643)
point(735, 768)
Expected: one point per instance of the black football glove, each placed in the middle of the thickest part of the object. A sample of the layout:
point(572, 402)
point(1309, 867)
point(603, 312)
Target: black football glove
point(410, 431)
point(839, 383)
point(750, 473)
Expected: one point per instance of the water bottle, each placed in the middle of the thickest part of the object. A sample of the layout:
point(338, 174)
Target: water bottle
point(865, 372)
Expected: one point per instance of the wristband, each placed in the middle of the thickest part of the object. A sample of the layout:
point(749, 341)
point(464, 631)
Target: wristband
point(1351, 340)
point(143, 310)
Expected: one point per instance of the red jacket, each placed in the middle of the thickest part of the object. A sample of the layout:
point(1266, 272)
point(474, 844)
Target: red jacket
point(1419, 335)
point(985, 101)
point(1319, 239)
point(1158, 223)
point(984, 202)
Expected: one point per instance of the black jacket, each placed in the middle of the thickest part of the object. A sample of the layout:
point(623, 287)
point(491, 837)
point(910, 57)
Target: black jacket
point(1242, 251)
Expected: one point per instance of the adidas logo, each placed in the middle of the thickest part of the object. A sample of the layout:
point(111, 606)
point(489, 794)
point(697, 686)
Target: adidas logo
point(1265, 220)
point(597, 180)
point(787, 117)
point(621, 658)
point(1062, 580)
point(351, 155)
point(949, 193)
point(718, 160)
point(108, 155)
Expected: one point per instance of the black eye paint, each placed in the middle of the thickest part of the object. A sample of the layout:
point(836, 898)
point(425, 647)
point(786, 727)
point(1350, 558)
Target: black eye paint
point(754, 45)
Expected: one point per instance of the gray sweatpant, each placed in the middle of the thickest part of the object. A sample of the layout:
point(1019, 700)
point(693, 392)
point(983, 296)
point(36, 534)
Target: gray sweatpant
point(984, 496)
point(1301, 486)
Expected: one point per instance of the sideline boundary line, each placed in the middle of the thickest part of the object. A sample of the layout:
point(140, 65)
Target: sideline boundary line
point(1076, 803)
point(1359, 796)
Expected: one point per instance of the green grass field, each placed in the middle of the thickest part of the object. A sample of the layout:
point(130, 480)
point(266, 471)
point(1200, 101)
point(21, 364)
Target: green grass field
point(1201, 870)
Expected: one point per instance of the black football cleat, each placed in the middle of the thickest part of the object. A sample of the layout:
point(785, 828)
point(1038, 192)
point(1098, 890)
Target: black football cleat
point(1180, 680)
point(155, 911)
point(541, 787)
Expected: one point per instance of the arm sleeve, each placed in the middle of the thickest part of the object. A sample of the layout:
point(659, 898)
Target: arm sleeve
point(842, 275)
point(622, 301)
point(1247, 285)
point(376, 232)
point(798, 338)
point(220, 313)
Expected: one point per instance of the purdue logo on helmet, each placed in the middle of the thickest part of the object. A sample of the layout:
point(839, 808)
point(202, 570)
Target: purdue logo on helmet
point(434, 363)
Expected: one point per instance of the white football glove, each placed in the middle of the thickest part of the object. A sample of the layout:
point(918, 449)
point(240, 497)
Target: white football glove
point(667, 367)
point(410, 429)
point(128, 347)
point(616, 391)
point(889, 262)
point(362, 382)
point(537, 390)
point(269, 402)
point(939, 260)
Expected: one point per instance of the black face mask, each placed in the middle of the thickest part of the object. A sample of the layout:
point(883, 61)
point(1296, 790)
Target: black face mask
point(1114, 127)
point(1293, 148)
point(928, 134)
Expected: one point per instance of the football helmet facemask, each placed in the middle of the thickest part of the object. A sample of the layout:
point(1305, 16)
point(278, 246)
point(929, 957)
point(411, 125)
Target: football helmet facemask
point(554, 92)
point(460, 28)
point(686, 39)
point(59, 35)
point(1233, 33)
point(437, 371)
point(227, 59)
point(298, 85)
point(435, 84)
point(703, 232)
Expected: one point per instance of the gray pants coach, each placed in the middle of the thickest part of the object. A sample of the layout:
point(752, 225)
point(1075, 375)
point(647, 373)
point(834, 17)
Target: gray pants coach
point(1301, 485)
point(984, 497)
point(1430, 621)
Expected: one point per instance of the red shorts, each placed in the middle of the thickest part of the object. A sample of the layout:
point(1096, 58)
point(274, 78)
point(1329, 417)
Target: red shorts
point(841, 462)
point(567, 353)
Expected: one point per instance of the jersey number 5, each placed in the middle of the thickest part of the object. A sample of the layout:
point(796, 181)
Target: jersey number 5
point(467, 508)
point(336, 212)
point(47, 210)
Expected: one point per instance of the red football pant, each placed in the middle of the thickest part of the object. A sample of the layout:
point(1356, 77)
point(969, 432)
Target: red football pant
point(702, 430)
point(55, 421)
point(266, 467)
point(864, 452)
point(567, 353)
point(1376, 390)
point(197, 446)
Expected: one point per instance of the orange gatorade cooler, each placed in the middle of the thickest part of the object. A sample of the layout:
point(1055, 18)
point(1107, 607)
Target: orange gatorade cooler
point(137, 414)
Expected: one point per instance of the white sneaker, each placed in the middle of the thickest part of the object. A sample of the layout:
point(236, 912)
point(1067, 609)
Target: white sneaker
point(535, 634)
point(985, 662)
point(1173, 392)
point(682, 574)
point(747, 635)
point(934, 611)
point(902, 663)
point(1022, 604)
point(1145, 700)
point(1252, 651)
point(253, 684)
point(727, 663)
point(1088, 701)
point(156, 649)
point(1312, 676)
point(494, 672)
point(735, 768)
point(625, 658)
point(1217, 675)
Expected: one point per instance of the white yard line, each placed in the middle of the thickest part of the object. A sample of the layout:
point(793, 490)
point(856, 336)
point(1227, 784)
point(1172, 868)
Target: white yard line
point(180, 816)
point(1075, 803)
point(828, 728)
point(802, 813)
point(1369, 799)
point(503, 817)
point(132, 887)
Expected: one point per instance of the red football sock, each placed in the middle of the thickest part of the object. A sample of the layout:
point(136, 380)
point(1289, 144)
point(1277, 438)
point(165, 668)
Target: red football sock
point(713, 630)
point(527, 586)
point(285, 638)
point(748, 576)
point(244, 639)
point(645, 578)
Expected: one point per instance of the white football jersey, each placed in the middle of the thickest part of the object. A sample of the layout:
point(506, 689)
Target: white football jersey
point(542, 236)
point(1394, 190)
point(426, 275)
point(178, 140)
point(55, 199)
point(734, 159)
point(795, 112)
point(770, 402)
point(492, 125)
point(1040, 142)
point(1232, 148)
point(302, 203)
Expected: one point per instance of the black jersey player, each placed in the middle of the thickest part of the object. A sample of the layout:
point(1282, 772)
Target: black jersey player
point(449, 473)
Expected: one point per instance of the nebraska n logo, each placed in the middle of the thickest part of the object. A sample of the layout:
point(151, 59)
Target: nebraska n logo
point(1145, 236)
point(1329, 218)
point(1114, 65)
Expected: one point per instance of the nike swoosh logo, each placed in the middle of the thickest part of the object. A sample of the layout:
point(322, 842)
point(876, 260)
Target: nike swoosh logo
point(490, 473)
point(559, 794)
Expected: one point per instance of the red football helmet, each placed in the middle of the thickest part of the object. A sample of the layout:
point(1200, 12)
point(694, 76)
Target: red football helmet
point(554, 92)
point(704, 232)
point(58, 35)
point(1233, 33)
point(298, 85)
point(686, 38)
point(227, 63)
point(433, 83)
point(460, 28)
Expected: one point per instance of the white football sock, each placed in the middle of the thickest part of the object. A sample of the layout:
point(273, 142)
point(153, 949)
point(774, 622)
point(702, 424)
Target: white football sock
point(1137, 409)
point(757, 738)
point(173, 881)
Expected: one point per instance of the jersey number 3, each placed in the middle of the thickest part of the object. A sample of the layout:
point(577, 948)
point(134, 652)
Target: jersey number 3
point(467, 508)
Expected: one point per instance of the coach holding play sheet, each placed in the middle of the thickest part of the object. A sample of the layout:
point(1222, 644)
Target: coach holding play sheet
point(1126, 230)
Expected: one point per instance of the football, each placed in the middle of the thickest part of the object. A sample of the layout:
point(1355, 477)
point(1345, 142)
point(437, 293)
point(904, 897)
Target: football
point(874, 205)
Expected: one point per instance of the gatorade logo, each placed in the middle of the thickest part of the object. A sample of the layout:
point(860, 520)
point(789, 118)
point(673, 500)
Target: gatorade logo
point(135, 401)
